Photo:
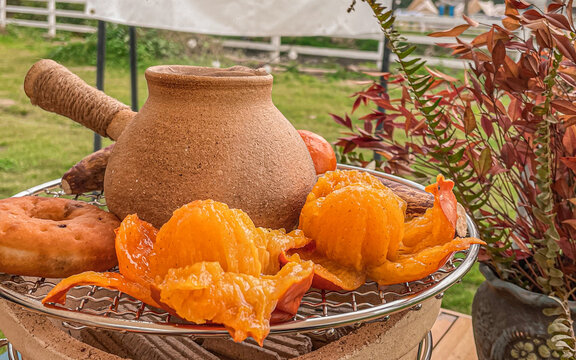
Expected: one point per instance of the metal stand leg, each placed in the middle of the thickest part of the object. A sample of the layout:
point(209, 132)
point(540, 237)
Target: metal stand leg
point(12, 353)
point(425, 347)
point(100, 60)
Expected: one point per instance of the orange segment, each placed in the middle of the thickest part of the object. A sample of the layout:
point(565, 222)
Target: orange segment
point(438, 225)
point(208, 231)
point(108, 280)
point(417, 266)
point(328, 275)
point(243, 303)
point(277, 242)
point(353, 218)
point(134, 243)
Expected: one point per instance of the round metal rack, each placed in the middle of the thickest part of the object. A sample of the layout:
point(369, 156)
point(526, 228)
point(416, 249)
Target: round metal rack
point(320, 311)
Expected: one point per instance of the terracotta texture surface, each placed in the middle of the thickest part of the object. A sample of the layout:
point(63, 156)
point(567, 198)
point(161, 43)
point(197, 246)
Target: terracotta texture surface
point(38, 337)
point(209, 134)
point(392, 339)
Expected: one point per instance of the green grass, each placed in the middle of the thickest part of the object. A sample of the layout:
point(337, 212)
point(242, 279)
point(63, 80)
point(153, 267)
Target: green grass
point(37, 146)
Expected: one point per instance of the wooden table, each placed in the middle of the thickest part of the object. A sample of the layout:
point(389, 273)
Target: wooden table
point(453, 337)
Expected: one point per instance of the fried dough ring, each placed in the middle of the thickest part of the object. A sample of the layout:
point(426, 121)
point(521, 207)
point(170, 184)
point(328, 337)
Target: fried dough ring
point(54, 237)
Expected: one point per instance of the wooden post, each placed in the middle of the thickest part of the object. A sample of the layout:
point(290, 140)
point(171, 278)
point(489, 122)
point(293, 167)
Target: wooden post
point(380, 51)
point(2, 14)
point(275, 41)
point(51, 18)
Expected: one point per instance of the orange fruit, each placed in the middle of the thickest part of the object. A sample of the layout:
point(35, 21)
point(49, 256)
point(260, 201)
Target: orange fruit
point(358, 231)
point(208, 263)
point(320, 150)
point(354, 221)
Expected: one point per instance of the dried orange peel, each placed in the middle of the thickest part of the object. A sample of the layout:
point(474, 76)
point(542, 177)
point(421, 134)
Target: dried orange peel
point(359, 231)
point(208, 263)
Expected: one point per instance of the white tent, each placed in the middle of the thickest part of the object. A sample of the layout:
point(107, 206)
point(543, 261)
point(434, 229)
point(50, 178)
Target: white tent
point(241, 17)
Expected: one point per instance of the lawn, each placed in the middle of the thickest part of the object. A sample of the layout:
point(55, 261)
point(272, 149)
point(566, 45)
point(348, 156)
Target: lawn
point(37, 146)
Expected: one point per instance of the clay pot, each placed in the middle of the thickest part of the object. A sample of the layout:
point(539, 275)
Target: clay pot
point(508, 321)
point(203, 133)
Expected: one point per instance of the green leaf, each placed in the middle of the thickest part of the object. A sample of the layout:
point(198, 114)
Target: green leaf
point(430, 108)
point(556, 273)
point(485, 161)
point(556, 327)
point(553, 311)
point(560, 337)
point(469, 120)
point(406, 52)
point(556, 282)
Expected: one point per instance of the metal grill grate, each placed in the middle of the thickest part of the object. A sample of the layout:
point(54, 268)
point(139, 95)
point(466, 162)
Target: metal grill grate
point(320, 310)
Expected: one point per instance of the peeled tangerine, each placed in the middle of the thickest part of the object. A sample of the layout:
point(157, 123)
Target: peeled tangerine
point(208, 263)
point(358, 229)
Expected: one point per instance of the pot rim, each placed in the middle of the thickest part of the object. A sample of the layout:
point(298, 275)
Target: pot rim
point(522, 295)
point(187, 74)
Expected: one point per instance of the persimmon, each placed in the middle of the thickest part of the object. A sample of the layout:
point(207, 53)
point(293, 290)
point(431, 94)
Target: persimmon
point(353, 218)
point(243, 303)
point(108, 280)
point(134, 243)
point(359, 231)
point(209, 263)
point(320, 150)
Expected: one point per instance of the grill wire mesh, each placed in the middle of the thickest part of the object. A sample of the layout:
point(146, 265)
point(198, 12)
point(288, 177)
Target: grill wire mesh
point(111, 304)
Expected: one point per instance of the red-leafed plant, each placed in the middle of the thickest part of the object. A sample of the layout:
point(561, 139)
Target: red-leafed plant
point(506, 135)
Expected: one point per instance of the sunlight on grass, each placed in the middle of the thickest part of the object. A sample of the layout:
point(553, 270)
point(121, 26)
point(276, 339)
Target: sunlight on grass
point(459, 297)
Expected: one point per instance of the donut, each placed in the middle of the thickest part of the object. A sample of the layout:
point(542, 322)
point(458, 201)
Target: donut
point(55, 237)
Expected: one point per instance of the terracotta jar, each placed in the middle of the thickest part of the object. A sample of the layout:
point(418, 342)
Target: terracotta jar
point(203, 133)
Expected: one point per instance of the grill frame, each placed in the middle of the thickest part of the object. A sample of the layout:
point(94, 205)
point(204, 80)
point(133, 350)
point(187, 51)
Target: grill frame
point(320, 312)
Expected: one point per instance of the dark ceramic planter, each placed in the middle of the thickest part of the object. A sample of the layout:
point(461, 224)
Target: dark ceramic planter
point(508, 321)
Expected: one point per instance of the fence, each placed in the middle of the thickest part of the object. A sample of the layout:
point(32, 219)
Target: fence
point(49, 10)
point(410, 22)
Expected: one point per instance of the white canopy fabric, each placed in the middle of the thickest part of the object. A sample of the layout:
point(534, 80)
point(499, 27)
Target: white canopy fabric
point(241, 17)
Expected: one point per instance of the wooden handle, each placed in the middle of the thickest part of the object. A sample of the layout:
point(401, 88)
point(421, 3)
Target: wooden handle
point(54, 88)
point(88, 174)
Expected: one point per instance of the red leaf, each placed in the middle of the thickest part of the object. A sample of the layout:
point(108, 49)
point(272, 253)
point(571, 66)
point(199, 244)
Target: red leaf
point(455, 31)
point(440, 75)
point(559, 21)
point(565, 46)
point(347, 123)
point(511, 10)
point(569, 13)
point(564, 106)
point(569, 140)
point(470, 22)
point(554, 7)
point(570, 162)
point(571, 222)
point(567, 247)
point(499, 53)
point(519, 4)
point(487, 126)
point(357, 103)
point(469, 120)
point(528, 66)
point(532, 15)
point(510, 24)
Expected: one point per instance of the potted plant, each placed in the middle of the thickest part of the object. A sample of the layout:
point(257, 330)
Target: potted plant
point(506, 135)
